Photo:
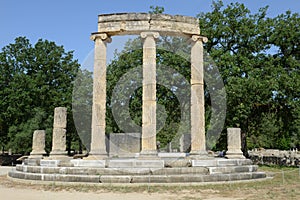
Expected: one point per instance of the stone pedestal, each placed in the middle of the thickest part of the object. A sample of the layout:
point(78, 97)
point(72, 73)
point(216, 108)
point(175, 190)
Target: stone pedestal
point(59, 133)
point(149, 95)
point(234, 143)
point(198, 146)
point(124, 144)
point(38, 145)
point(98, 146)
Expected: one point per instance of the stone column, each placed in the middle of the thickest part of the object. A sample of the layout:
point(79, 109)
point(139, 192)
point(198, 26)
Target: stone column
point(38, 144)
point(198, 146)
point(98, 146)
point(59, 132)
point(149, 94)
point(234, 143)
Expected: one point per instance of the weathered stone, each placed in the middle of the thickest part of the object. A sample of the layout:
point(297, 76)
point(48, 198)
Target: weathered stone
point(135, 163)
point(49, 163)
point(98, 143)
point(58, 142)
point(134, 23)
point(149, 94)
point(59, 133)
point(234, 143)
point(88, 163)
point(60, 117)
point(38, 144)
point(124, 144)
point(198, 146)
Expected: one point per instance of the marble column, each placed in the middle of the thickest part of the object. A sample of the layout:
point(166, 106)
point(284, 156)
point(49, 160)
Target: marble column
point(38, 144)
point(198, 146)
point(234, 143)
point(59, 132)
point(149, 94)
point(98, 146)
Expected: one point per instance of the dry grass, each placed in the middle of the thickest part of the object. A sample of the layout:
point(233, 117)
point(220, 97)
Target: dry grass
point(285, 184)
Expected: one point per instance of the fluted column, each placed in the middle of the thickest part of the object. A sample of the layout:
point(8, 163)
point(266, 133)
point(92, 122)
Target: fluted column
point(198, 146)
point(98, 146)
point(149, 94)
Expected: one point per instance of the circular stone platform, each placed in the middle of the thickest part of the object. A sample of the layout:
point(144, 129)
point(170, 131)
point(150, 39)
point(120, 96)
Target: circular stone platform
point(134, 170)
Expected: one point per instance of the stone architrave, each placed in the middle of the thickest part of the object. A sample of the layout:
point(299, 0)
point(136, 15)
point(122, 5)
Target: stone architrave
point(59, 132)
point(98, 145)
point(234, 143)
point(198, 146)
point(149, 94)
point(38, 144)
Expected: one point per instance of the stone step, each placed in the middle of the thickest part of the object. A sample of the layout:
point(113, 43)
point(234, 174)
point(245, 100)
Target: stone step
point(112, 171)
point(232, 169)
point(135, 163)
point(221, 162)
point(138, 178)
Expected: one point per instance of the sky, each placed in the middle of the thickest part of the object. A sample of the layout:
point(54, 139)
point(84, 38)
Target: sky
point(71, 22)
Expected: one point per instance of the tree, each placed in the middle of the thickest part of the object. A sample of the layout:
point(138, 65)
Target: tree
point(34, 80)
point(258, 58)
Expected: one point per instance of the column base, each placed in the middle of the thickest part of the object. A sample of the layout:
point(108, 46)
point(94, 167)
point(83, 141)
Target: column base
point(97, 155)
point(36, 155)
point(149, 154)
point(235, 155)
point(58, 155)
point(198, 155)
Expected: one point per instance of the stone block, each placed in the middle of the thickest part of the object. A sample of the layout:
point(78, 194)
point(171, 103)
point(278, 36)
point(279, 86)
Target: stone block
point(204, 163)
point(49, 163)
point(135, 163)
point(234, 143)
point(121, 163)
point(38, 144)
point(58, 142)
point(60, 117)
point(88, 163)
point(150, 163)
point(115, 179)
point(172, 155)
point(124, 144)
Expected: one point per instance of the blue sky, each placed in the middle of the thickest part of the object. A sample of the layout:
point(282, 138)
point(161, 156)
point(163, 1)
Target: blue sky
point(70, 22)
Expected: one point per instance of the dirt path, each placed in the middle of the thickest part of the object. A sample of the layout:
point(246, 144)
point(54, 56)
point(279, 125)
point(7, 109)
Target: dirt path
point(31, 194)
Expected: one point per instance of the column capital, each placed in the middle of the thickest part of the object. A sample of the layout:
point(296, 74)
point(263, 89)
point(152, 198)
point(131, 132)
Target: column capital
point(102, 36)
point(196, 38)
point(155, 35)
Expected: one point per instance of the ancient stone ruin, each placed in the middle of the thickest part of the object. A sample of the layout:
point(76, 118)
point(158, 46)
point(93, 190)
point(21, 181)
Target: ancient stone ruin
point(147, 165)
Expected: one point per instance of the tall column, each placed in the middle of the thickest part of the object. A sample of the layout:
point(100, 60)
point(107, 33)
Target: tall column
point(98, 146)
point(198, 147)
point(149, 94)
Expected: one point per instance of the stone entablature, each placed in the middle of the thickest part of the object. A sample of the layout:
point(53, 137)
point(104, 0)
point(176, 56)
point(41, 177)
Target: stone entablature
point(135, 23)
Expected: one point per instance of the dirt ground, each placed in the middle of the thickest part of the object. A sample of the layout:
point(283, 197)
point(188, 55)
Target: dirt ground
point(36, 194)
